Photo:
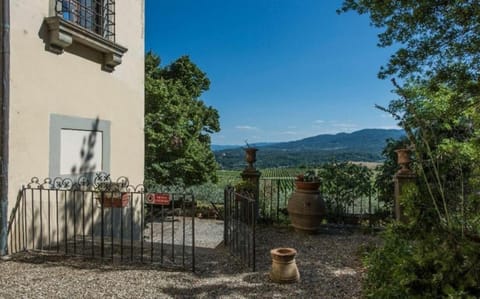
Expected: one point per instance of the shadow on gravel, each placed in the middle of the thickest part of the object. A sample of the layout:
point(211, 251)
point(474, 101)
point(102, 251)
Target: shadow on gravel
point(210, 291)
point(210, 262)
point(329, 265)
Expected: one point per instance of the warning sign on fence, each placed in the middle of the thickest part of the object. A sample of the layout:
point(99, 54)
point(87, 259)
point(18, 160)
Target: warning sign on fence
point(162, 199)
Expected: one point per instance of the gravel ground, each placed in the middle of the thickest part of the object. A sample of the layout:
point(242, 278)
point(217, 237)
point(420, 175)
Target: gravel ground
point(328, 264)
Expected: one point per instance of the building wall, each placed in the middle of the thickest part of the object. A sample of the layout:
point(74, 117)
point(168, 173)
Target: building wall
point(73, 85)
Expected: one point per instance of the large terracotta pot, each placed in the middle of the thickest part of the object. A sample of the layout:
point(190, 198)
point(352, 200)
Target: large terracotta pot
point(284, 268)
point(312, 186)
point(306, 207)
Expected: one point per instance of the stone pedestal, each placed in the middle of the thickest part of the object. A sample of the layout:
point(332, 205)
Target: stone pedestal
point(252, 176)
point(402, 178)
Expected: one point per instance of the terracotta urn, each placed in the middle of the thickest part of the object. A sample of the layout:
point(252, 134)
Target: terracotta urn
point(403, 159)
point(311, 186)
point(306, 208)
point(250, 156)
point(284, 267)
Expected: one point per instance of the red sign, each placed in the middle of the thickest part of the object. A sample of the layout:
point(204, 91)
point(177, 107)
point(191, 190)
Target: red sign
point(162, 199)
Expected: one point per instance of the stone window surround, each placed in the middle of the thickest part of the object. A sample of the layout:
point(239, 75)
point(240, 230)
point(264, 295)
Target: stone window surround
point(62, 34)
point(59, 122)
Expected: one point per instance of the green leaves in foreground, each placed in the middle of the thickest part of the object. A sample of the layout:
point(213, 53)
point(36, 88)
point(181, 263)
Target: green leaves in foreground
point(437, 265)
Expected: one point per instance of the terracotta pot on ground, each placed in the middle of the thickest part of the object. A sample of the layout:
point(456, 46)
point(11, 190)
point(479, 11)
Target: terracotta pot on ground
point(284, 268)
point(306, 207)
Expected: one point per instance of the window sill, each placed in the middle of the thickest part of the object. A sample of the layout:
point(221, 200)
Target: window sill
point(62, 33)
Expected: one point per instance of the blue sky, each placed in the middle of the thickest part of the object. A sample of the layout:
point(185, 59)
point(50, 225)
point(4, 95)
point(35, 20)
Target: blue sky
point(279, 69)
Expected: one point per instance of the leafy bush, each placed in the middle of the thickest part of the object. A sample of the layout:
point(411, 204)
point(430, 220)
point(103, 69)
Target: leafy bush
point(424, 257)
point(207, 193)
point(434, 266)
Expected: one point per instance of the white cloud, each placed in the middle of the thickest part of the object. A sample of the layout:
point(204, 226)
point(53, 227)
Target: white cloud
point(245, 127)
point(291, 127)
point(332, 127)
point(289, 133)
point(344, 125)
point(389, 127)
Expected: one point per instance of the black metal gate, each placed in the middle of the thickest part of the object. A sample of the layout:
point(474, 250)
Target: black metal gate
point(240, 221)
point(95, 217)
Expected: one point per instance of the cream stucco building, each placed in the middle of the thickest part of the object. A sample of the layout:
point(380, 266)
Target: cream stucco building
point(74, 91)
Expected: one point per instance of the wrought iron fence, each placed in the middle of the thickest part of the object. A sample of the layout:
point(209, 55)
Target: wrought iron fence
point(239, 226)
point(273, 198)
point(98, 218)
point(276, 191)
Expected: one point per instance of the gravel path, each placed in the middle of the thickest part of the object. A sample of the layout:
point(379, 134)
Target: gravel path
point(208, 232)
point(328, 264)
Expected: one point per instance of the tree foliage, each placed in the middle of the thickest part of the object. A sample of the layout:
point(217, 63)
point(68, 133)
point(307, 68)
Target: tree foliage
point(178, 123)
point(444, 136)
point(342, 183)
point(437, 38)
point(432, 254)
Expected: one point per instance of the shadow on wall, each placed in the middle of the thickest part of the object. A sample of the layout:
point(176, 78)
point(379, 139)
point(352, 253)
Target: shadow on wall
point(53, 213)
point(106, 221)
point(87, 153)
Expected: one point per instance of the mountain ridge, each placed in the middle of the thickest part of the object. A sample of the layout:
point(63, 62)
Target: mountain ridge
point(362, 145)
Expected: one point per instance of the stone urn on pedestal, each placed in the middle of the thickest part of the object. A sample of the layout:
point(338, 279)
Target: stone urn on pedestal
point(251, 176)
point(250, 173)
point(306, 208)
point(402, 178)
point(251, 156)
point(403, 159)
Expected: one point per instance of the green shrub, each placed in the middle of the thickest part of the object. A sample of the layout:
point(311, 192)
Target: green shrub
point(208, 193)
point(434, 265)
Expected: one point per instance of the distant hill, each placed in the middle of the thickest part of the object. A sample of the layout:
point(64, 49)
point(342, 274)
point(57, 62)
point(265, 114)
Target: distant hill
point(219, 147)
point(364, 145)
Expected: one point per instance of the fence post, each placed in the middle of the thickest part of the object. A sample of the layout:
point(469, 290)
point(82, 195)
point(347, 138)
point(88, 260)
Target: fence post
point(226, 194)
point(3, 227)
